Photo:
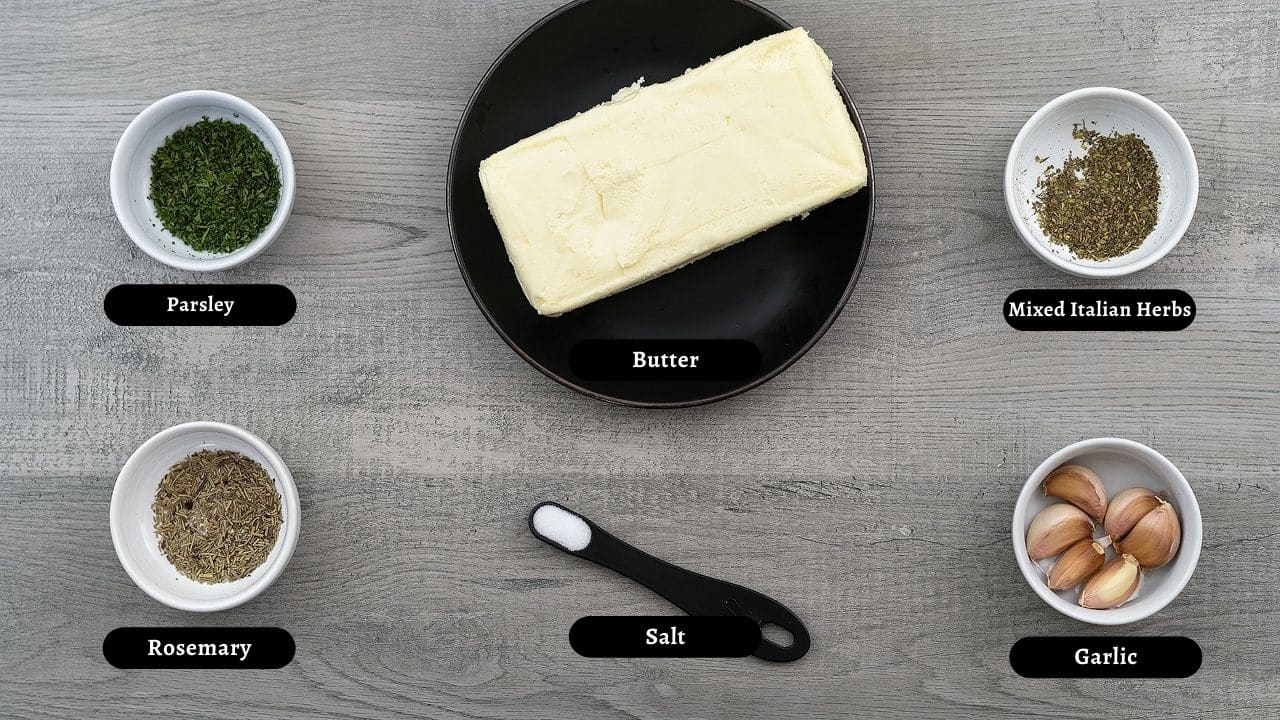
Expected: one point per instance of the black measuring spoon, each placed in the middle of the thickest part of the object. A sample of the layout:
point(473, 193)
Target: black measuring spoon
point(696, 594)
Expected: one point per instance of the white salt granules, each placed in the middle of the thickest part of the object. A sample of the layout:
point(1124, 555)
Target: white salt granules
point(561, 527)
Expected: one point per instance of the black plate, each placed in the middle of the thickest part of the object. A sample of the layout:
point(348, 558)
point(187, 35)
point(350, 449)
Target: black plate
point(779, 290)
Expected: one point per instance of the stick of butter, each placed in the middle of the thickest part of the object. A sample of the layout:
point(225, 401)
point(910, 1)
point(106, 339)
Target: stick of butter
point(663, 175)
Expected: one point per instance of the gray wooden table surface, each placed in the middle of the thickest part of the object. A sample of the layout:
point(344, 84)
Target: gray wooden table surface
point(869, 487)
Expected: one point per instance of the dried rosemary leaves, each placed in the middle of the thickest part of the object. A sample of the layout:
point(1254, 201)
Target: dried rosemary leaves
point(1105, 203)
point(214, 185)
point(217, 516)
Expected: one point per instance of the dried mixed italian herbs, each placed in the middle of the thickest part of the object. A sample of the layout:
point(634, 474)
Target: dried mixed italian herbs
point(217, 516)
point(214, 185)
point(1102, 204)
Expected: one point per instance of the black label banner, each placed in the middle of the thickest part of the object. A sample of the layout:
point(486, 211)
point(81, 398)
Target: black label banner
point(1094, 310)
point(200, 305)
point(201, 648)
point(713, 360)
point(1105, 657)
point(663, 636)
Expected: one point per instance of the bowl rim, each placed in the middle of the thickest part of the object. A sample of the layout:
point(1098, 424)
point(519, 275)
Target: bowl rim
point(1184, 151)
point(144, 121)
point(288, 498)
point(1192, 531)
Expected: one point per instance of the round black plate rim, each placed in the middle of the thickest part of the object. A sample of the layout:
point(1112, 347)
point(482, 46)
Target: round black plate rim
point(795, 357)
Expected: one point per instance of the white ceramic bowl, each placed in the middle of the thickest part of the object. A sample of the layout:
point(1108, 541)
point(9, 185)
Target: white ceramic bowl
point(131, 175)
point(1121, 464)
point(1048, 135)
point(133, 525)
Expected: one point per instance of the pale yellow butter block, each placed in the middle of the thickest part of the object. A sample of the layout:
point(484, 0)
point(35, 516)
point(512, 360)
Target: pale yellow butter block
point(663, 175)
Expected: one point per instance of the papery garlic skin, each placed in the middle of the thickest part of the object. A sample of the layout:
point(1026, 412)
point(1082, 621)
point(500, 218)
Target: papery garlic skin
point(1057, 528)
point(1113, 585)
point(1154, 541)
point(1126, 509)
point(1076, 564)
point(1079, 486)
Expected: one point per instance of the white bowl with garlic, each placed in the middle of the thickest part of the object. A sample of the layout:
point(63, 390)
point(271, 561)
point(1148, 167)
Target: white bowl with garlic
point(1107, 531)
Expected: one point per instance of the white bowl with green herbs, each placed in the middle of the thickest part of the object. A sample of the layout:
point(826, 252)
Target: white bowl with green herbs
point(135, 530)
point(1143, 223)
point(216, 220)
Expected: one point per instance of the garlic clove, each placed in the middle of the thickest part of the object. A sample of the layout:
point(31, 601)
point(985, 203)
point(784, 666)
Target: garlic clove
point(1113, 585)
point(1057, 528)
point(1155, 539)
point(1079, 486)
point(1126, 509)
point(1077, 564)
